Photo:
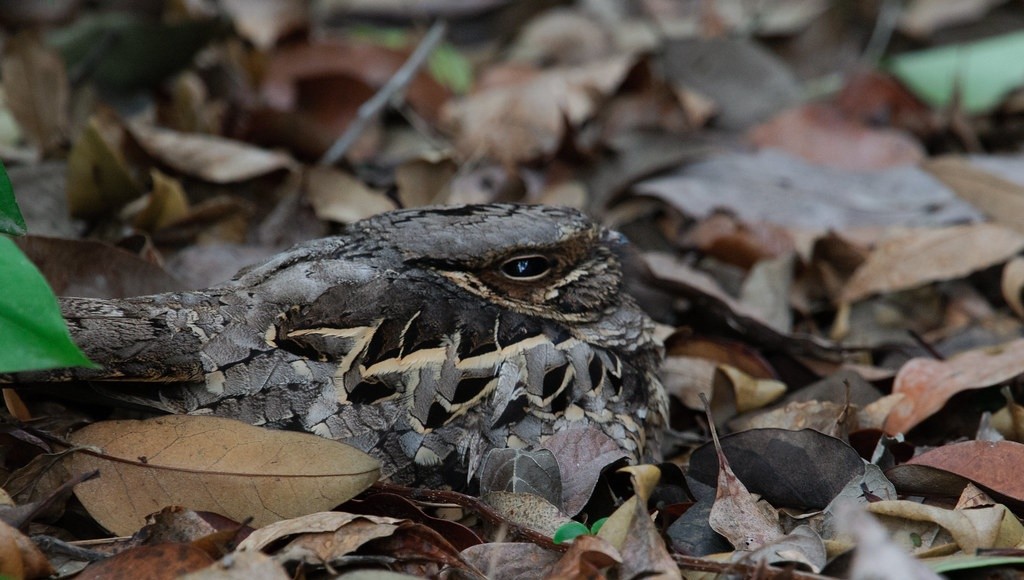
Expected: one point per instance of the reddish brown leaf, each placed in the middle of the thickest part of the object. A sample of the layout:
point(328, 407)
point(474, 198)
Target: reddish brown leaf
point(156, 562)
point(823, 135)
point(926, 384)
point(586, 558)
point(993, 465)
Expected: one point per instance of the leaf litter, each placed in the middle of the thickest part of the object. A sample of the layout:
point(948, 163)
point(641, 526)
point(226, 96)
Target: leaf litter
point(837, 275)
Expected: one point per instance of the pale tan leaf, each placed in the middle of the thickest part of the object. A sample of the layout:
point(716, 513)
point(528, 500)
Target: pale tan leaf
point(166, 204)
point(307, 524)
point(37, 89)
point(209, 157)
point(339, 197)
point(212, 464)
point(1000, 199)
point(525, 120)
point(1013, 285)
point(528, 510)
point(264, 21)
point(918, 257)
point(242, 566)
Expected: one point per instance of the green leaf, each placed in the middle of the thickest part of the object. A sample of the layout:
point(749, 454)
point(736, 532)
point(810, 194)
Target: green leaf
point(450, 68)
point(569, 532)
point(32, 331)
point(11, 221)
point(980, 73)
point(596, 527)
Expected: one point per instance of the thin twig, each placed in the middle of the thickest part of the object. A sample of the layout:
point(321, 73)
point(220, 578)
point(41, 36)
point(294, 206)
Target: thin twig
point(369, 110)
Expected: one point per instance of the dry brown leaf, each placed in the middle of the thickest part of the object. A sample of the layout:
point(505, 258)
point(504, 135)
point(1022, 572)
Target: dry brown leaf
point(632, 532)
point(586, 557)
point(917, 257)
point(327, 547)
point(264, 21)
point(1000, 199)
point(37, 90)
point(926, 384)
point(241, 566)
point(19, 557)
point(528, 510)
point(212, 464)
point(994, 465)
point(1013, 285)
point(159, 562)
point(98, 176)
point(742, 518)
point(526, 120)
point(822, 134)
point(167, 203)
point(209, 157)
point(339, 197)
point(582, 455)
point(519, 560)
point(307, 524)
point(93, 269)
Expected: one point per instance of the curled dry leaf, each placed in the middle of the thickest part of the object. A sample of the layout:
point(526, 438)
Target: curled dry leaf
point(526, 120)
point(307, 524)
point(926, 384)
point(212, 464)
point(1013, 285)
point(340, 197)
point(632, 532)
point(19, 557)
point(209, 157)
point(98, 176)
point(586, 557)
point(915, 258)
point(999, 198)
point(582, 455)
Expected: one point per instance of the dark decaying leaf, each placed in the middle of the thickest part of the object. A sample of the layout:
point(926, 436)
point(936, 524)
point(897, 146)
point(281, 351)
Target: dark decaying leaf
point(519, 471)
point(91, 269)
point(798, 469)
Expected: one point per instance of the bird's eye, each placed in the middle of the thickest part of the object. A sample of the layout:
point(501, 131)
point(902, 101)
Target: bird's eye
point(526, 267)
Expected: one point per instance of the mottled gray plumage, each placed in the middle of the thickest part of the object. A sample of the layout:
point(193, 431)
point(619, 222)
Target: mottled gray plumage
point(424, 337)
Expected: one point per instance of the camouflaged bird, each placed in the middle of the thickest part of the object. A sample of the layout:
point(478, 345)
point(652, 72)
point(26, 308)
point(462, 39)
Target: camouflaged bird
point(425, 337)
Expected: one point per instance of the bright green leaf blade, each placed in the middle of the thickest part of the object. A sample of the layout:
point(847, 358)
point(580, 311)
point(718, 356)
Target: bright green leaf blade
point(569, 532)
point(596, 527)
point(11, 221)
point(981, 73)
point(32, 332)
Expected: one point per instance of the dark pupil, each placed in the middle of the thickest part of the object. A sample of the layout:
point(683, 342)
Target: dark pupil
point(525, 267)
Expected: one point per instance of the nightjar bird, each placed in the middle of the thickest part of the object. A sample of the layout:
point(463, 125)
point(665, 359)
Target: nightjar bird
point(425, 337)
